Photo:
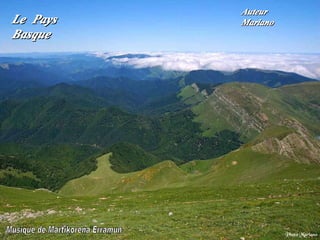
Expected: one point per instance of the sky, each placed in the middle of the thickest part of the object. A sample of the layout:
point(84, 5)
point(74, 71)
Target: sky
point(166, 25)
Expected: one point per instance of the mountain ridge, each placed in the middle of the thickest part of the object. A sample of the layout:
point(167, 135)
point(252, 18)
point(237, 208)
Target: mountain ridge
point(201, 114)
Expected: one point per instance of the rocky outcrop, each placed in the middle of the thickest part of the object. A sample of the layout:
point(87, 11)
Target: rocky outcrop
point(246, 119)
point(300, 145)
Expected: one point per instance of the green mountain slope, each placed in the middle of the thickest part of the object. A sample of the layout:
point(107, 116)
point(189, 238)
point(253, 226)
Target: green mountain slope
point(280, 147)
point(44, 166)
point(128, 157)
point(251, 108)
point(244, 166)
point(214, 120)
point(72, 117)
point(250, 211)
point(105, 180)
point(131, 94)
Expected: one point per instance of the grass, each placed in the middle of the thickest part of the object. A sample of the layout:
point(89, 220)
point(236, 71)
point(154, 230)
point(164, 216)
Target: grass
point(243, 194)
point(100, 180)
point(239, 106)
point(243, 166)
point(105, 180)
point(254, 211)
point(197, 167)
point(278, 132)
point(190, 96)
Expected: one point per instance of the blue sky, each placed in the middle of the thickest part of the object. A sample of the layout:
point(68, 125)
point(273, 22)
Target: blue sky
point(176, 25)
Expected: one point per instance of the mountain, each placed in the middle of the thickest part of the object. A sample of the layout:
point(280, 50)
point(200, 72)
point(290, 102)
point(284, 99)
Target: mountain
point(47, 166)
point(49, 69)
point(253, 197)
point(160, 154)
point(129, 55)
point(268, 78)
point(250, 108)
point(105, 180)
point(56, 119)
point(130, 94)
point(74, 117)
point(21, 72)
point(212, 121)
point(237, 168)
point(206, 76)
point(285, 120)
point(145, 116)
point(77, 95)
point(280, 127)
point(24, 76)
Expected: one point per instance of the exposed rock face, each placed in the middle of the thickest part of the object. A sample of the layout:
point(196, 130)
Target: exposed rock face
point(299, 145)
point(251, 110)
point(195, 87)
point(240, 108)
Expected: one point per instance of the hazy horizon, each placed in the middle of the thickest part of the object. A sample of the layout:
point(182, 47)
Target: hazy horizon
point(304, 64)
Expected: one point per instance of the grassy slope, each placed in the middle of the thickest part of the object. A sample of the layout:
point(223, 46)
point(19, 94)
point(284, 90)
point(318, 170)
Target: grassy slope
point(105, 180)
point(216, 115)
point(247, 167)
point(100, 180)
point(304, 102)
point(175, 136)
point(127, 157)
point(190, 96)
point(252, 211)
point(59, 117)
point(242, 166)
point(242, 194)
point(238, 106)
point(10, 195)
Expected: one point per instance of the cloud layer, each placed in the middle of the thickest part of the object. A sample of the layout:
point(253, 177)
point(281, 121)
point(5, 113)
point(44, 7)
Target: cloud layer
point(304, 64)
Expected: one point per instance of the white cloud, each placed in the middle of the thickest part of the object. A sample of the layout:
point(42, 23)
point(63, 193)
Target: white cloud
point(304, 64)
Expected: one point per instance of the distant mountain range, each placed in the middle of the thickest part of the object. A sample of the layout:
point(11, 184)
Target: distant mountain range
point(267, 78)
point(18, 73)
point(57, 114)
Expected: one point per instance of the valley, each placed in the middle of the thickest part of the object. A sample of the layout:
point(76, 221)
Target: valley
point(155, 154)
